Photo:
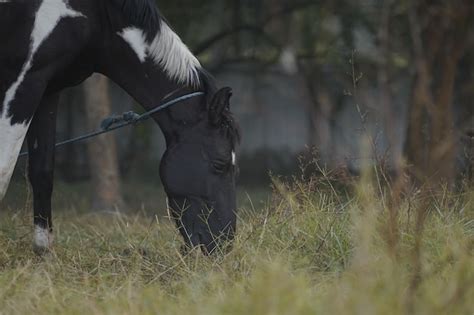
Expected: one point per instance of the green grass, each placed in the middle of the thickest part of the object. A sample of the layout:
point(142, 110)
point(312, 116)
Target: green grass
point(306, 250)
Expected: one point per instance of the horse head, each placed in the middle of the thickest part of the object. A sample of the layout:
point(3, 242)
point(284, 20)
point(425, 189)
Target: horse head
point(198, 171)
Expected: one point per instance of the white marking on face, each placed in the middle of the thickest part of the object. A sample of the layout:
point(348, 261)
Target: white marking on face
point(234, 160)
point(168, 51)
point(42, 239)
point(11, 140)
point(47, 18)
point(136, 39)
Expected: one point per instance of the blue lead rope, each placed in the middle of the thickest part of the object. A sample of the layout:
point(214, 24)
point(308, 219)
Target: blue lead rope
point(124, 120)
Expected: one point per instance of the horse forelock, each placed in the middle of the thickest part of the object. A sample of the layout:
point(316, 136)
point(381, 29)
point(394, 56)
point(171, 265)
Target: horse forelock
point(229, 126)
point(232, 129)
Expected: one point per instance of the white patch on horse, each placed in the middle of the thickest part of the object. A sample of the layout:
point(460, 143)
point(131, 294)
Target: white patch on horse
point(136, 39)
point(42, 239)
point(11, 139)
point(168, 51)
point(47, 18)
point(12, 135)
point(234, 159)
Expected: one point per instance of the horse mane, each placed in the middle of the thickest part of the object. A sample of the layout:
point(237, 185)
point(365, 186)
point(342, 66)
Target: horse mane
point(143, 14)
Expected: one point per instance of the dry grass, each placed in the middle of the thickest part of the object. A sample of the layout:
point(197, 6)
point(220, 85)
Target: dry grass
point(309, 250)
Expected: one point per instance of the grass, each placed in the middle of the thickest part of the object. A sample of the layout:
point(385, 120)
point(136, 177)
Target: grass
point(308, 249)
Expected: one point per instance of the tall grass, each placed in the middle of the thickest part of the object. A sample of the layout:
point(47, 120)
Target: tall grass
point(310, 250)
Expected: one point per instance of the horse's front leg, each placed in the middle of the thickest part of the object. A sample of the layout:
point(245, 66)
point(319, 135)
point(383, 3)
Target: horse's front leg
point(41, 144)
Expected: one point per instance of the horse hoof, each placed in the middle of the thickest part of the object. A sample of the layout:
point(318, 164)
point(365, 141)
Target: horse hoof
point(42, 241)
point(41, 251)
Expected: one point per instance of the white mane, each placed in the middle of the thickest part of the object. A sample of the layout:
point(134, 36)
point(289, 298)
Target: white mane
point(168, 51)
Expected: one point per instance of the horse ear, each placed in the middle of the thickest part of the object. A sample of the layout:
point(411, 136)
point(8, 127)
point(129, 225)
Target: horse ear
point(219, 104)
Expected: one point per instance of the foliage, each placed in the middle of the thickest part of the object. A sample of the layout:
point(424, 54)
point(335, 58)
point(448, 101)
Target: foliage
point(309, 250)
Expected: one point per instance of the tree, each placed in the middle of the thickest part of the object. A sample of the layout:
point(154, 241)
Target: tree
point(102, 151)
point(439, 32)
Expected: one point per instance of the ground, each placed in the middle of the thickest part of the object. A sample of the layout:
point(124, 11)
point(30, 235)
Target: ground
point(304, 248)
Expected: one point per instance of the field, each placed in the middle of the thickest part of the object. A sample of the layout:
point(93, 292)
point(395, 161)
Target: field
point(307, 248)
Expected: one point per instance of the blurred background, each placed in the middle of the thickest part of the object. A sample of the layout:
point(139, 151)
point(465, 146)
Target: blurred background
point(347, 83)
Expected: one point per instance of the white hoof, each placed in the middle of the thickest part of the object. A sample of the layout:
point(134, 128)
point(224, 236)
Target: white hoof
point(42, 240)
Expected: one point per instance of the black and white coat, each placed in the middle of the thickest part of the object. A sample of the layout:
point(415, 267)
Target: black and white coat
point(48, 45)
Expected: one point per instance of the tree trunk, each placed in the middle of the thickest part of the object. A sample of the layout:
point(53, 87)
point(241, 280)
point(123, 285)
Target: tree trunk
point(390, 118)
point(102, 151)
point(438, 49)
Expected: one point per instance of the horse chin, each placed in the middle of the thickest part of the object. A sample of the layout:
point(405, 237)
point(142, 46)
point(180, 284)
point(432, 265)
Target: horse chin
point(218, 232)
point(201, 225)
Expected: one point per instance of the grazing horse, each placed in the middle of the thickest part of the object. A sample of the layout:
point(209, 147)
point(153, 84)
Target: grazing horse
point(48, 45)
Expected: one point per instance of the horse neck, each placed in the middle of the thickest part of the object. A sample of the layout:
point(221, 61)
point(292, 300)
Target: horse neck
point(149, 86)
point(150, 69)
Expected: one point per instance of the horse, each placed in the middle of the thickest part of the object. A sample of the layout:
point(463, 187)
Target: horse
point(48, 45)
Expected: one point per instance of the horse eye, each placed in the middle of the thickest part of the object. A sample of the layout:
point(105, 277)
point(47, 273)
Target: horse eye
point(219, 167)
